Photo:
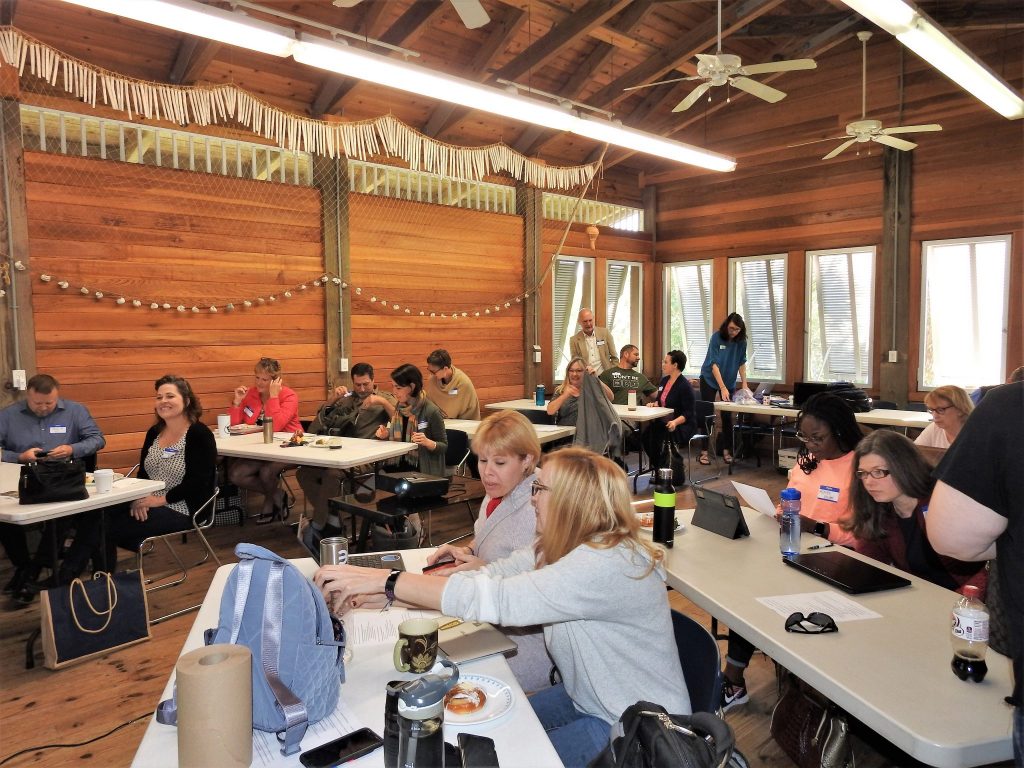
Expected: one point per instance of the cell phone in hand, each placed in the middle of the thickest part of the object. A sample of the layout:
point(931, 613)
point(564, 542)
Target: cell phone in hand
point(477, 751)
point(341, 750)
point(41, 454)
point(442, 563)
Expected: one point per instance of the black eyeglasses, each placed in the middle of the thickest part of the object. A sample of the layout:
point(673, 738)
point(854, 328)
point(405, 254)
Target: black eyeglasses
point(941, 410)
point(816, 439)
point(815, 623)
point(537, 486)
point(878, 473)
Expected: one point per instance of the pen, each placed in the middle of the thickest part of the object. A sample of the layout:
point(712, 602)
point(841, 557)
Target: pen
point(822, 546)
point(451, 624)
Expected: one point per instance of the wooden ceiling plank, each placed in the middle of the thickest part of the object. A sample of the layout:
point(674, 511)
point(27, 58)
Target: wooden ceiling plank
point(7, 9)
point(194, 55)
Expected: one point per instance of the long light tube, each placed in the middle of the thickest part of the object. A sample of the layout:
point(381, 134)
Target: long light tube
point(921, 34)
point(235, 29)
point(201, 21)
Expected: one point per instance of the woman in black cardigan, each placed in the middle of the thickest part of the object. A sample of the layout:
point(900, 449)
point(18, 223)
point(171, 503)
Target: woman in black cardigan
point(675, 392)
point(181, 451)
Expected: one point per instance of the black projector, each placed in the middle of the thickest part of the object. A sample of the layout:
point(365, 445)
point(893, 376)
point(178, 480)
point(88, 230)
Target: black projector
point(412, 485)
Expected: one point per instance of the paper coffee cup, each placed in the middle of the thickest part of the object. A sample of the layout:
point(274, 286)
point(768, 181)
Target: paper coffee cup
point(223, 422)
point(104, 479)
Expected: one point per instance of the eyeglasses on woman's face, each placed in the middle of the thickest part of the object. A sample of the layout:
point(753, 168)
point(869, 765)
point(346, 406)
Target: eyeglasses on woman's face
point(816, 438)
point(940, 410)
point(537, 486)
point(878, 473)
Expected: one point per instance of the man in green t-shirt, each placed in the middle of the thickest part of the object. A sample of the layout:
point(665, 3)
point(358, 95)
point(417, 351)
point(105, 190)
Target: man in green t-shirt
point(624, 377)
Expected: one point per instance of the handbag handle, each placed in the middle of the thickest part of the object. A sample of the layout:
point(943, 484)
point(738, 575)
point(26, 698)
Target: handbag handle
point(111, 601)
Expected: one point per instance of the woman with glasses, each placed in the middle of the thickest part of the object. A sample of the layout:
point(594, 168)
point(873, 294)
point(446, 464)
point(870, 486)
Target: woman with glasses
point(415, 420)
point(828, 434)
point(268, 398)
point(590, 580)
point(725, 361)
point(949, 406)
point(564, 406)
point(508, 452)
point(892, 486)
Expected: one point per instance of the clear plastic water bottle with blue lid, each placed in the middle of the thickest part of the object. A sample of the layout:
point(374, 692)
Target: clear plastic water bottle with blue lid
point(789, 537)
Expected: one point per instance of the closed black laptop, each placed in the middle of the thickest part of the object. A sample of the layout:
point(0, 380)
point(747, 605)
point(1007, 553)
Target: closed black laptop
point(803, 390)
point(848, 573)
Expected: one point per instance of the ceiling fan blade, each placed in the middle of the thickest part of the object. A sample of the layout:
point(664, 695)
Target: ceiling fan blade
point(347, 3)
point(816, 141)
point(471, 12)
point(839, 149)
point(779, 66)
point(661, 82)
point(912, 129)
point(690, 100)
point(889, 141)
point(754, 88)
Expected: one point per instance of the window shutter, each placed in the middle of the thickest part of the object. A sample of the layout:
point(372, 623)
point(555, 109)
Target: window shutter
point(759, 292)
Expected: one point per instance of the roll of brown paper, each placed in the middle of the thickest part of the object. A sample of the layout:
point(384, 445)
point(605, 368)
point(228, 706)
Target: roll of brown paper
point(215, 707)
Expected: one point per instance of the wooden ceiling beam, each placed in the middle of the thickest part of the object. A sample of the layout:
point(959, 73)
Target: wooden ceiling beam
point(7, 9)
point(335, 88)
point(501, 34)
point(193, 57)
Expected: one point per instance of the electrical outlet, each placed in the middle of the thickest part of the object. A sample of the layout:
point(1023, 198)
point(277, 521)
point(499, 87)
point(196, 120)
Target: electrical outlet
point(343, 364)
point(19, 379)
point(894, 356)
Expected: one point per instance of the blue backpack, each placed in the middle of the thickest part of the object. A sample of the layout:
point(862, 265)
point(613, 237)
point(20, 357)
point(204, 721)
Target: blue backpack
point(297, 670)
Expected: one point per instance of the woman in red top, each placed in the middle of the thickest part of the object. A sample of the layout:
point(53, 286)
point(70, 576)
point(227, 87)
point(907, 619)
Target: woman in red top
point(269, 398)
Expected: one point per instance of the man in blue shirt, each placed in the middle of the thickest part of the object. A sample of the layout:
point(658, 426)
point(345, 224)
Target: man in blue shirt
point(42, 424)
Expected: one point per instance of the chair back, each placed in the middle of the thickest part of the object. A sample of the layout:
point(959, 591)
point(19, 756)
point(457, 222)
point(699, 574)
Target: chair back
point(703, 410)
point(884, 405)
point(458, 449)
point(538, 417)
point(916, 407)
point(701, 662)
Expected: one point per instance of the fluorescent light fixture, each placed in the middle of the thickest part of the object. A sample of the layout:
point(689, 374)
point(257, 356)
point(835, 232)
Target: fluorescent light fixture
point(414, 79)
point(921, 34)
point(201, 21)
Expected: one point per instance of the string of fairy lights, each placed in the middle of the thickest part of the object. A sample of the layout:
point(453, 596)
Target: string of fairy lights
point(323, 280)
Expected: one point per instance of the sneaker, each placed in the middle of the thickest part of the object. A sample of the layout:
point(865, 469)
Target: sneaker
point(733, 695)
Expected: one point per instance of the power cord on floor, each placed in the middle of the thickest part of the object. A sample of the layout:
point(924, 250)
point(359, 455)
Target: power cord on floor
point(115, 729)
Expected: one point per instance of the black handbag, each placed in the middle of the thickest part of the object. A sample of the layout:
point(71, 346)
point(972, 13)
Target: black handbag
point(811, 730)
point(646, 736)
point(671, 457)
point(43, 482)
point(85, 619)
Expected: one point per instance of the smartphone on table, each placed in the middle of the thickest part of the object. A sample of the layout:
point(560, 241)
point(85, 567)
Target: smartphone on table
point(444, 562)
point(341, 750)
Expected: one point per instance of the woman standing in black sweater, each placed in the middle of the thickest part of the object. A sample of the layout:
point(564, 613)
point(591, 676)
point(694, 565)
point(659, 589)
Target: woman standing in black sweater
point(181, 451)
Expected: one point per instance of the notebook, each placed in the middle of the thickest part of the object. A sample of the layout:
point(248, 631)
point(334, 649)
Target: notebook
point(719, 513)
point(473, 640)
point(847, 573)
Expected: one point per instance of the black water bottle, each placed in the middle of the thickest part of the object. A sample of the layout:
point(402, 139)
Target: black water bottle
point(664, 509)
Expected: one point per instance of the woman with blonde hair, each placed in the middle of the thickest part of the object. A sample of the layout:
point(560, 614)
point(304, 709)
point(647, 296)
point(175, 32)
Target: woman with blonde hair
point(590, 580)
point(507, 452)
point(564, 406)
point(949, 406)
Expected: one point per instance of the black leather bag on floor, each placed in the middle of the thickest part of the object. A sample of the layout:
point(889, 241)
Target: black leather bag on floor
point(43, 482)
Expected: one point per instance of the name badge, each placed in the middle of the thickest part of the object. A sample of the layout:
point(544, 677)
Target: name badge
point(721, 346)
point(247, 411)
point(169, 453)
point(421, 426)
point(453, 392)
point(600, 342)
point(58, 429)
point(828, 493)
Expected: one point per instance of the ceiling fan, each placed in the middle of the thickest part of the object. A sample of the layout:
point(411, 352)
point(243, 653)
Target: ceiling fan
point(471, 12)
point(864, 130)
point(725, 68)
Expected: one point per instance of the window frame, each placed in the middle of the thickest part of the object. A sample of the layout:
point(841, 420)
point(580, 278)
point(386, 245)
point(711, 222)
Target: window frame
point(639, 330)
point(557, 363)
point(810, 257)
point(694, 361)
point(778, 323)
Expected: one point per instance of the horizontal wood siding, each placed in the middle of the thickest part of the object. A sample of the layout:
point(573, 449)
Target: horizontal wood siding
point(172, 236)
point(441, 260)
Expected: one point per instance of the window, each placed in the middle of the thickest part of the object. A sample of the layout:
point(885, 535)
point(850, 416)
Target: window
point(757, 290)
point(840, 286)
point(572, 290)
point(624, 302)
point(964, 301)
point(687, 305)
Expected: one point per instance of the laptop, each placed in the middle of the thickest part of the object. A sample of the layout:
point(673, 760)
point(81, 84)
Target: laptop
point(764, 388)
point(719, 513)
point(847, 573)
point(803, 390)
point(473, 640)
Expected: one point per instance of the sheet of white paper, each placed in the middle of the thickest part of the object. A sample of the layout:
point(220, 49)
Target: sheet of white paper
point(266, 749)
point(838, 606)
point(547, 427)
point(370, 627)
point(755, 497)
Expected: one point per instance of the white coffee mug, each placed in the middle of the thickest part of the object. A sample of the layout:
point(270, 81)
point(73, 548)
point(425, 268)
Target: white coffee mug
point(104, 479)
point(223, 422)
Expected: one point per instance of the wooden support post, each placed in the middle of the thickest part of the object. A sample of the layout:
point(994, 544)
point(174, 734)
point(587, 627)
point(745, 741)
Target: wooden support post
point(894, 268)
point(330, 176)
point(529, 206)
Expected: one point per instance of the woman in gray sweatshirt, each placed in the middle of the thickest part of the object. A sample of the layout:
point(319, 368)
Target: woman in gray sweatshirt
point(594, 585)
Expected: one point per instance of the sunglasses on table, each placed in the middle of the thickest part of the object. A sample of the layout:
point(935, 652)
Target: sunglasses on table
point(815, 623)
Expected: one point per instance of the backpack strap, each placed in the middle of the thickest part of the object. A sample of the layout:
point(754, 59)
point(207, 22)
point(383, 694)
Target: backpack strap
point(244, 571)
point(167, 710)
point(290, 705)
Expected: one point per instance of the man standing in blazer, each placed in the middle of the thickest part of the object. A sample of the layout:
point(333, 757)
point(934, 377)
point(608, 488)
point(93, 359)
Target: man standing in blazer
point(594, 345)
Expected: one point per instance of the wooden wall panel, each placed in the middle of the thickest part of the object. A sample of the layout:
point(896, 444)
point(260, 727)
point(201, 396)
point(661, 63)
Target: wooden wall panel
point(171, 236)
point(435, 259)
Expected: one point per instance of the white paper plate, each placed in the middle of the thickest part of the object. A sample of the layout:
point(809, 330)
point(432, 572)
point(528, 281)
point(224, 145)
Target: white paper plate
point(499, 701)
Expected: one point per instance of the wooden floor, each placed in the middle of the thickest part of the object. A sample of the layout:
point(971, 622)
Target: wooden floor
point(39, 707)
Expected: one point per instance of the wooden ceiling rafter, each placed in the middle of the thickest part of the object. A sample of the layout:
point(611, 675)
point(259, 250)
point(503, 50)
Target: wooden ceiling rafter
point(7, 9)
point(193, 56)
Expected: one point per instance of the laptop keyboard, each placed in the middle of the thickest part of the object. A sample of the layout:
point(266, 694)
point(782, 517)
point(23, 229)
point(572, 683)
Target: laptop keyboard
point(390, 560)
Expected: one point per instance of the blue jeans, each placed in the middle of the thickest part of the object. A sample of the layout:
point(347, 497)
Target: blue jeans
point(576, 737)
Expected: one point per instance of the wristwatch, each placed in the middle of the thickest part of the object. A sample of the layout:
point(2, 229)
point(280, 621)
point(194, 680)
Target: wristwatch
point(821, 529)
point(389, 587)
